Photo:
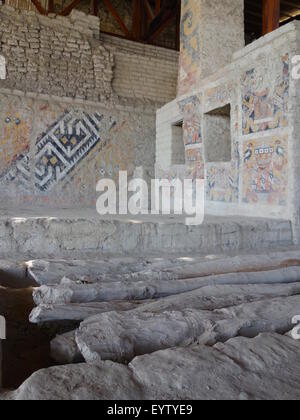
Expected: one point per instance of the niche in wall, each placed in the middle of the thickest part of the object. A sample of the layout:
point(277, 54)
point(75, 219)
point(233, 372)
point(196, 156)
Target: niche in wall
point(178, 151)
point(217, 135)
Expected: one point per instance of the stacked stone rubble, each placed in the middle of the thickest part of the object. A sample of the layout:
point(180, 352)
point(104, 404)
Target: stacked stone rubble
point(56, 55)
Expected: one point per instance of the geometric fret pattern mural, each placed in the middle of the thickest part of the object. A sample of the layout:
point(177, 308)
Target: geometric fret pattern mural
point(20, 172)
point(58, 150)
point(63, 146)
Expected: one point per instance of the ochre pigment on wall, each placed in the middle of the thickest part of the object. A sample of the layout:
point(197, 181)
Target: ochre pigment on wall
point(69, 112)
point(192, 121)
point(265, 99)
point(15, 131)
point(189, 66)
point(265, 174)
point(222, 179)
point(217, 96)
point(264, 164)
point(259, 164)
point(195, 163)
point(192, 137)
point(58, 150)
point(250, 104)
point(69, 140)
point(57, 158)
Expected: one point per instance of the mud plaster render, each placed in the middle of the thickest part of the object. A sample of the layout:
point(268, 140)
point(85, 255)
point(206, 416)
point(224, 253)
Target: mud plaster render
point(262, 176)
point(55, 153)
point(210, 32)
point(75, 107)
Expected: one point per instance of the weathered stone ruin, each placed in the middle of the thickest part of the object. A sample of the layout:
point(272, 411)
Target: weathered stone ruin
point(145, 306)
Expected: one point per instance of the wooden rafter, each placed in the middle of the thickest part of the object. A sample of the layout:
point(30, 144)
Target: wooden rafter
point(149, 11)
point(51, 8)
point(167, 13)
point(116, 16)
point(69, 8)
point(149, 18)
point(137, 19)
point(153, 21)
point(255, 9)
point(271, 15)
point(95, 7)
point(157, 6)
point(39, 7)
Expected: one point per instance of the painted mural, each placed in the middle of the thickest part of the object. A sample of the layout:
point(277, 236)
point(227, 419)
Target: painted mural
point(223, 179)
point(19, 174)
point(265, 96)
point(59, 150)
point(102, 161)
point(68, 141)
point(189, 63)
point(15, 133)
point(115, 158)
point(194, 163)
point(217, 96)
point(265, 174)
point(13, 139)
point(192, 137)
point(190, 109)
point(56, 158)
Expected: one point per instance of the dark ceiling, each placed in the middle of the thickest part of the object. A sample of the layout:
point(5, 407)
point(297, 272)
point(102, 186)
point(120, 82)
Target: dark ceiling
point(290, 9)
point(156, 16)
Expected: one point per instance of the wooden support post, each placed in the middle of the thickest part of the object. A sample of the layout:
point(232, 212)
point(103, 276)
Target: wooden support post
point(271, 15)
point(162, 20)
point(157, 7)
point(95, 7)
point(137, 19)
point(39, 7)
point(51, 6)
point(178, 27)
point(69, 8)
point(149, 11)
point(115, 15)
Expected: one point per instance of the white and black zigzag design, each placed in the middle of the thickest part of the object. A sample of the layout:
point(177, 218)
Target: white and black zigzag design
point(20, 173)
point(63, 146)
point(67, 142)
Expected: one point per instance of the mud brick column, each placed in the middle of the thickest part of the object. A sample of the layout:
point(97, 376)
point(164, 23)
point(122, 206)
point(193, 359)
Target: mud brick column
point(211, 31)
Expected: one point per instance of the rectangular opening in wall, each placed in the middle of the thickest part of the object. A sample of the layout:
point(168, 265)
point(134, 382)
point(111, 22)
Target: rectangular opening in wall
point(217, 135)
point(178, 151)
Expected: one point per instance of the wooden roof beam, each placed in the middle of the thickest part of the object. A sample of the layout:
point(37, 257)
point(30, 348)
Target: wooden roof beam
point(162, 20)
point(39, 7)
point(67, 10)
point(117, 18)
point(137, 19)
point(271, 15)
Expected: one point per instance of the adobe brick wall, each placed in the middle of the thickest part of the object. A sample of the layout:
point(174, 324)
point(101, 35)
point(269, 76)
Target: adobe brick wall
point(75, 106)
